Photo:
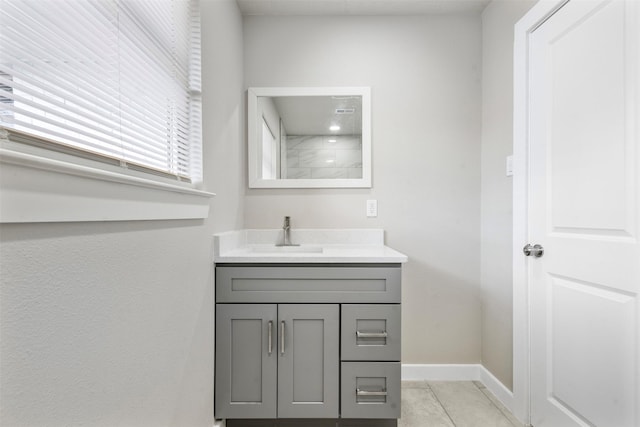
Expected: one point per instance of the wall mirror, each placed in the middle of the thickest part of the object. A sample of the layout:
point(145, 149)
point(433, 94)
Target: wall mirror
point(312, 137)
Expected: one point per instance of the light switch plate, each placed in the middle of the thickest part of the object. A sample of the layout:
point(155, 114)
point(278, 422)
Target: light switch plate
point(509, 165)
point(372, 208)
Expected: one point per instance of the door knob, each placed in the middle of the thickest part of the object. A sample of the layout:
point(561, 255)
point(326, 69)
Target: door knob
point(535, 250)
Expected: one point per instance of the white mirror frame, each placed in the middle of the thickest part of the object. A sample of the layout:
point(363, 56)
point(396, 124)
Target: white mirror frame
point(254, 166)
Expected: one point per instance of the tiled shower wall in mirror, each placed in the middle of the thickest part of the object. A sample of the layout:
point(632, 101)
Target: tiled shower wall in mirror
point(321, 157)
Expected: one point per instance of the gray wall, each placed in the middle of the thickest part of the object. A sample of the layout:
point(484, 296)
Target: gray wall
point(223, 115)
point(105, 324)
point(111, 323)
point(498, 20)
point(425, 75)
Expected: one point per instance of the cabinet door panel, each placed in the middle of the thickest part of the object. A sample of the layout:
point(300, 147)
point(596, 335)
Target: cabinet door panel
point(245, 371)
point(308, 367)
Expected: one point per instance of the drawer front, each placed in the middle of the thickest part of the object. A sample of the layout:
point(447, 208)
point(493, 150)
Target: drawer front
point(371, 332)
point(290, 284)
point(370, 390)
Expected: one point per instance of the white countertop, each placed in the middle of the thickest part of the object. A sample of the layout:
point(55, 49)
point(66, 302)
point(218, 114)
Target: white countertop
point(315, 246)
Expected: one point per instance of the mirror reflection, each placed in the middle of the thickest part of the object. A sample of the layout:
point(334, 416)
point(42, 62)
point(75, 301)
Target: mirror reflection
point(312, 138)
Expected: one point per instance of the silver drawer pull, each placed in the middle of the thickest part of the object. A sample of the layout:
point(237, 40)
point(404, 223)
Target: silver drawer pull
point(382, 334)
point(282, 337)
point(360, 392)
point(270, 336)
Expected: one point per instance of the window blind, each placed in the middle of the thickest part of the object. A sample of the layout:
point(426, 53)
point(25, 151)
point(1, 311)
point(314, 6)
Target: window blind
point(116, 78)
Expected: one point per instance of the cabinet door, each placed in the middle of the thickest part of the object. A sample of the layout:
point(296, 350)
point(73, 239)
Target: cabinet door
point(246, 369)
point(308, 381)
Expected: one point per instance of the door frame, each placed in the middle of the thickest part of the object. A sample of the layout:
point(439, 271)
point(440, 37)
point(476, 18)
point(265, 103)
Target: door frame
point(536, 16)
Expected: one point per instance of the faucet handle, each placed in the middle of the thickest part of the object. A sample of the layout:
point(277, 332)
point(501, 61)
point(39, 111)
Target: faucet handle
point(286, 221)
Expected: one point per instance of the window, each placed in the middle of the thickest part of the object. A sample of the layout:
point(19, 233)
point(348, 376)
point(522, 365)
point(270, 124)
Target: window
point(117, 80)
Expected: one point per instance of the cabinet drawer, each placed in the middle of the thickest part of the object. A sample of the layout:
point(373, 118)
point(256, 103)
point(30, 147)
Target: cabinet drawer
point(370, 390)
point(370, 332)
point(308, 284)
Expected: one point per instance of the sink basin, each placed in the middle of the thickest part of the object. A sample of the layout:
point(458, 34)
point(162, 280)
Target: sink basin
point(268, 249)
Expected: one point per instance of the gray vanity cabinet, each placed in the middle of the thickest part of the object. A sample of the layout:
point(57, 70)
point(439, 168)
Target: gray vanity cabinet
point(308, 342)
point(277, 361)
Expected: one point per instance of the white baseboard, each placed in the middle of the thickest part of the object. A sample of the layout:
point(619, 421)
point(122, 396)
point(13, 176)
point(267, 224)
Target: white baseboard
point(502, 393)
point(470, 372)
point(440, 372)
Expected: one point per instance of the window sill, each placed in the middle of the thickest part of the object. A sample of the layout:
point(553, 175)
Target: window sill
point(34, 188)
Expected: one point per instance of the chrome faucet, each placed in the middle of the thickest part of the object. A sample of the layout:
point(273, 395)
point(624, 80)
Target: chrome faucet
point(286, 228)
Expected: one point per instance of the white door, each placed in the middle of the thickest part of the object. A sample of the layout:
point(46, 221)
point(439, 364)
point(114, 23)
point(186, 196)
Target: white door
point(584, 210)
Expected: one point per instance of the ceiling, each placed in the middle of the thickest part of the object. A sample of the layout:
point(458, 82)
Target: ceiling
point(359, 7)
point(312, 115)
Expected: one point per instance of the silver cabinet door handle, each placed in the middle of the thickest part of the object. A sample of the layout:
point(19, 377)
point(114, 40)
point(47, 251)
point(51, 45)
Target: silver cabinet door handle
point(360, 392)
point(270, 336)
point(282, 337)
point(381, 334)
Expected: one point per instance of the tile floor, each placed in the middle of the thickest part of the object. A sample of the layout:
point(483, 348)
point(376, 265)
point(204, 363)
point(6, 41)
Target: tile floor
point(452, 404)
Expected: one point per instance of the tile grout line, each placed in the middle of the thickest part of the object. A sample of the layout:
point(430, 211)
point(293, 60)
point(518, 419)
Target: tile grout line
point(441, 405)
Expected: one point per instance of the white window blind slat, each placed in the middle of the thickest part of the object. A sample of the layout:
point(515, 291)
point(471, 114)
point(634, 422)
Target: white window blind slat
point(36, 60)
point(148, 17)
point(164, 13)
point(103, 118)
point(60, 40)
point(134, 60)
point(155, 164)
point(115, 77)
point(99, 102)
point(25, 31)
point(48, 127)
point(26, 107)
point(99, 33)
point(142, 138)
point(61, 118)
point(151, 52)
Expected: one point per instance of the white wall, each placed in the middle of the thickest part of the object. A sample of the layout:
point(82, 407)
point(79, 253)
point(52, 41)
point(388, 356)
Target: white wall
point(498, 20)
point(425, 77)
point(111, 323)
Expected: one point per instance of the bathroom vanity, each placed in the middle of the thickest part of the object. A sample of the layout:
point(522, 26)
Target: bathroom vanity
point(307, 332)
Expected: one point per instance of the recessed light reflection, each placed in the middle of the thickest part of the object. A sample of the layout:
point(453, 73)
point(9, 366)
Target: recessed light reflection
point(333, 140)
point(334, 127)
